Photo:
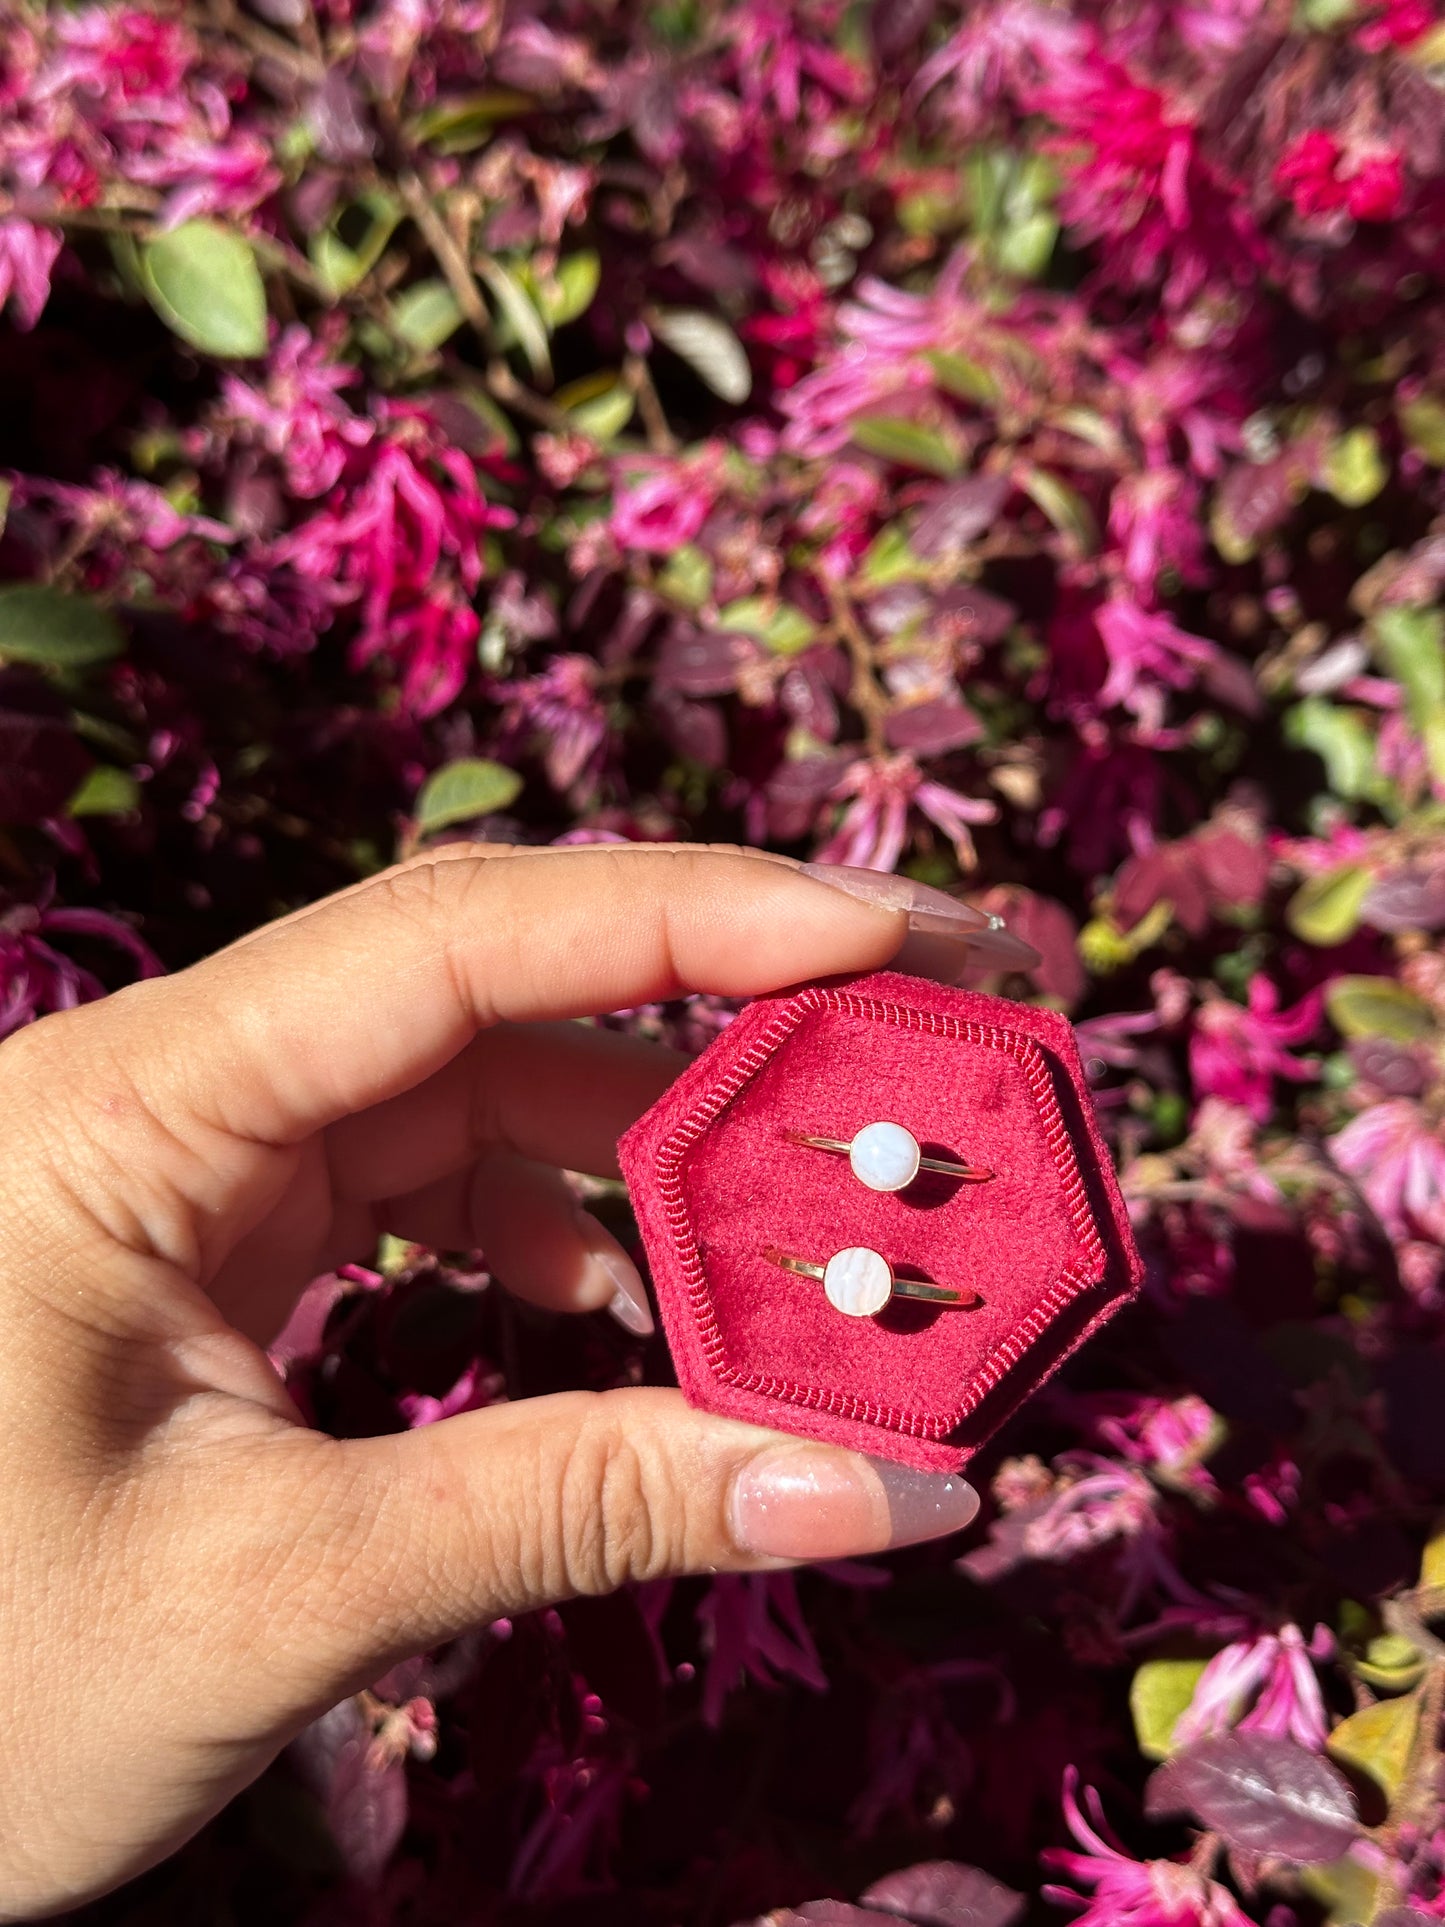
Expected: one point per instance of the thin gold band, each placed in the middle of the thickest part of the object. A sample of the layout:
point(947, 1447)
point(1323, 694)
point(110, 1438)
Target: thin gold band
point(970, 1173)
point(915, 1288)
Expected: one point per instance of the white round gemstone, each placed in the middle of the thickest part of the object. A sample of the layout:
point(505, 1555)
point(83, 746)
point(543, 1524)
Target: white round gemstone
point(884, 1157)
point(858, 1282)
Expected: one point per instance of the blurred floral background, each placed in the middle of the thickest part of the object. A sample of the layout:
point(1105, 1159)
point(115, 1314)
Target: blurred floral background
point(1000, 442)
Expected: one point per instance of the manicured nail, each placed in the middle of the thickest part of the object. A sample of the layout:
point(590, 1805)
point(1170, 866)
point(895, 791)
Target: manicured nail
point(806, 1503)
point(614, 1281)
point(937, 923)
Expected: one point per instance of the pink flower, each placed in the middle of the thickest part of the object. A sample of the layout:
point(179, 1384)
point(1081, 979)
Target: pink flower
point(1236, 1053)
point(1397, 1158)
point(874, 829)
point(667, 500)
point(1007, 49)
point(1128, 1892)
point(27, 255)
point(297, 415)
point(1148, 654)
point(561, 706)
point(1110, 1504)
point(754, 1629)
point(1155, 520)
point(1396, 23)
point(1263, 1685)
point(1371, 186)
point(405, 538)
point(36, 978)
point(1167, 1435)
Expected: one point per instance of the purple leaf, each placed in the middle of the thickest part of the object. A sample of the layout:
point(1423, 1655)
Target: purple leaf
point(701, 664)
point(1264, 1795)
point(958, 515)
point(946, 1893)
point(933, 728)
point(1407, 900)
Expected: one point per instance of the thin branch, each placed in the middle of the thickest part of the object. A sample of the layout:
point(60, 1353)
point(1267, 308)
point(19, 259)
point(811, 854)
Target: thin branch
point(867, 694)
point(450, 258)
point(637, 376)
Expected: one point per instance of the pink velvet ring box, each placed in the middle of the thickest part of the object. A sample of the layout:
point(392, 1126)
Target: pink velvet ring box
point(719, 1182)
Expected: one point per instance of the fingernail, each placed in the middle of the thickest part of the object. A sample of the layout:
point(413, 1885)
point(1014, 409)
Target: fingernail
point(950, 959)
point(928, 909)
point(809, 1503)
point(619, 1284)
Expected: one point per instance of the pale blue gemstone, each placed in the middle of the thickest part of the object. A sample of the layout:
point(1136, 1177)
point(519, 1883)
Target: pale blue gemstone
point(884, 1157)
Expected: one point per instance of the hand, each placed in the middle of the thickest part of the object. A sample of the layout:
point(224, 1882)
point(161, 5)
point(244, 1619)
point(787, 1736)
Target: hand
point(188, 1575)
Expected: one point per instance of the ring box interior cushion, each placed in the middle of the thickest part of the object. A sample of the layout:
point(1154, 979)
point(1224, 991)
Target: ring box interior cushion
point(718, 1184)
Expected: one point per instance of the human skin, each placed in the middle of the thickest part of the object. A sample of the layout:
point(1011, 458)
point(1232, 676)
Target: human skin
point(188, 1573)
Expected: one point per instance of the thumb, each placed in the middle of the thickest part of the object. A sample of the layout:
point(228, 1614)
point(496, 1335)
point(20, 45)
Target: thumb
point(496, 1512)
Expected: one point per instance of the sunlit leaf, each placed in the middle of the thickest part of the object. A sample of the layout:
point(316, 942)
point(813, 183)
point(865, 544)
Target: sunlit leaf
point(1063, 505)
point(686, 577)
point(459, 125)
point(106, 791)
point(1378, 1740)
point(601, 405)
point(710, 349)
point(1423, 422)
point(1343, 741)
point(462, 790)
point(783, 628)
point(346, 251)
point(966, 380)
point(1348, 1892)
point(1355, 470)
point(523, 323)
point(570, 291)
point(426, 315)
point(907, 443)
point(203, 282)
point(1159, 1694)
point(38, 624)
point(1377, 1007)
point(1325, 910)
point(945, 1893)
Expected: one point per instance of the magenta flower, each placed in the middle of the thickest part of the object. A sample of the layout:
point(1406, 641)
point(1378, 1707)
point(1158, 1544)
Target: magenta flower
point(1397, 1158)
point(755, 1629)
point(1320, 177)
point(1236, 1053)
point(1102, 1504)
point(874, 830)
point(1148, 655)
point(298, 416)
point(405, 538)
point(1128, 1892)
point(27, 255)
point(1009, 49)
point(664, 502)
point(1265, 1685)
point(1155, 521)
point(36, 978)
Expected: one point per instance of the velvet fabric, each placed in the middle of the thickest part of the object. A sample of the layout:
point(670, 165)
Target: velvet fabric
point(718, 1185)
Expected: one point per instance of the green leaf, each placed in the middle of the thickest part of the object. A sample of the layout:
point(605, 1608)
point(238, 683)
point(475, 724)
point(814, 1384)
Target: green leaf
point(570, 291)
point(62, 631)
point(1377, 1007)
point(1342, 740)
point(426, 315)
point(890, 558)
point(600, 405)
point(1423, 423)
point(1349, 1893)
point(1355, 470)
point(517, 311)
point(1159, 1695)
point(1325, 910)
point(106, 791)
point(203, 282)
point(463, 790)
point(1378, 1740)
point(458, 126)
point(783, 628)
point(1392, 1663)
point(1025, 248)
point(686, 577)
point(907, 443)
point(1411, 645)
point(344, 263)
point(1064, 506)
point(710, 349)
point(964, 379)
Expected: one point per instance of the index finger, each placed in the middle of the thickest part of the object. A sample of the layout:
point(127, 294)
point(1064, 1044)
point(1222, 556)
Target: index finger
point(366, 995)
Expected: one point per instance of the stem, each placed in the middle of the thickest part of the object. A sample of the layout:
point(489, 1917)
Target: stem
point(867, 694)
point(450, 257)
point(638, 377)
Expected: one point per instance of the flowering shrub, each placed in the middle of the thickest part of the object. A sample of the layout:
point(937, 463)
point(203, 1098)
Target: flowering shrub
point(1000, 441)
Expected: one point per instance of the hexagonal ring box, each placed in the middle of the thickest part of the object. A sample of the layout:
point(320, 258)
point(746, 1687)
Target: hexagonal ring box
point(722, 1188)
